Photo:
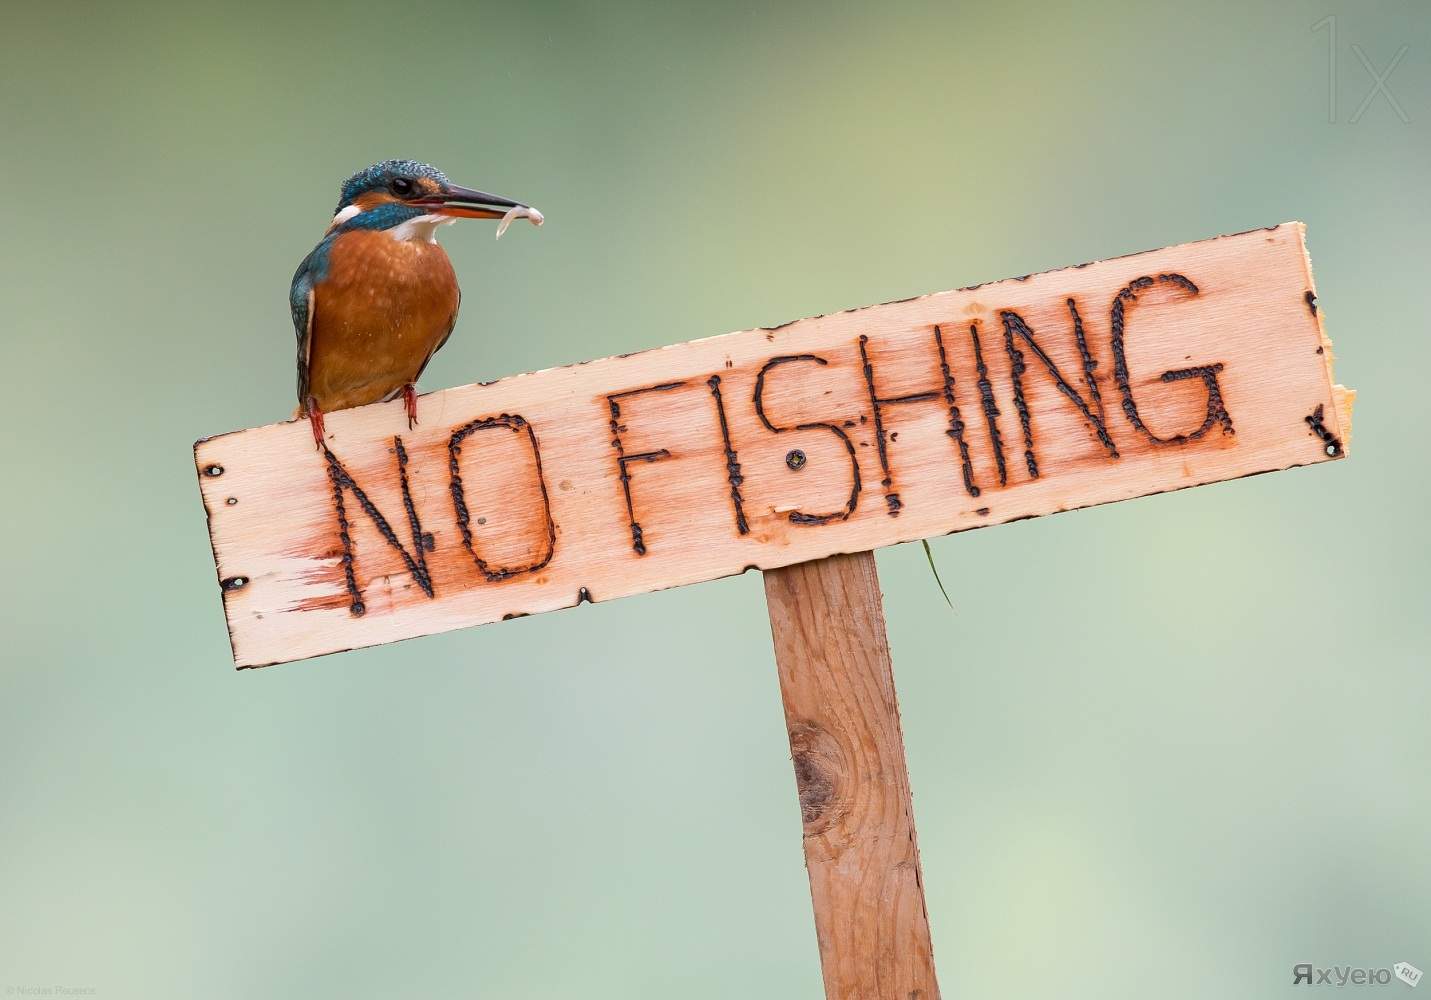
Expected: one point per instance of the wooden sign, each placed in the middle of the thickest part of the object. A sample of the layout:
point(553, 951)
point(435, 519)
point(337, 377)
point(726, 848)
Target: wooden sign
point(770, 447)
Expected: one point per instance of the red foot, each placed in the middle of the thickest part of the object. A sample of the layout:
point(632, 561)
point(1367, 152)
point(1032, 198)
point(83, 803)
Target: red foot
point(315, 417)
point(409, 401)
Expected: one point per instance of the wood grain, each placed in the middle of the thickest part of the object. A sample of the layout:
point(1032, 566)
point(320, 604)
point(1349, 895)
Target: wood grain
point(842, 433)
point(845, 742)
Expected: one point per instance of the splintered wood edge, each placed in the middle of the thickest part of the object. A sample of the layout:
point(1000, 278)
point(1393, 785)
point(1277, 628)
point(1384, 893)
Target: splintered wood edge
point(1343, 399)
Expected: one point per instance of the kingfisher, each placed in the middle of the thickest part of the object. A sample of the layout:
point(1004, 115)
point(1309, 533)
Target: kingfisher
point(377, 297)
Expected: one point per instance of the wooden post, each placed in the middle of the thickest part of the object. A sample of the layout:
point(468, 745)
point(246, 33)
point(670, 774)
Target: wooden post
point(845, 741)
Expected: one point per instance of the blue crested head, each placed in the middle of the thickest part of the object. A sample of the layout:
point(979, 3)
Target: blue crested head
point(397, 179)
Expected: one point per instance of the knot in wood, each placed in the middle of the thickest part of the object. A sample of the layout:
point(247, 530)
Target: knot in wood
point(819, 768)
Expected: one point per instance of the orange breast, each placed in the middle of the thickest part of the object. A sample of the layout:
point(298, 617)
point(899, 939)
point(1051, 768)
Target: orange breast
point(382, 310)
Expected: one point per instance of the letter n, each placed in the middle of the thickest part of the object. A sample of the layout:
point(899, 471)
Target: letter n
point(416, 563)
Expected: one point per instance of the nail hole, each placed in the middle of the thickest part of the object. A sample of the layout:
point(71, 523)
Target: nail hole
point(231, 501)
point(234, 582)
point(795, 459)
point(214, 470)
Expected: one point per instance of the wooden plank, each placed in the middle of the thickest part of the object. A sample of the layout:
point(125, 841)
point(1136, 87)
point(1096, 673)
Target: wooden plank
point(845, 742)
point(769, 447)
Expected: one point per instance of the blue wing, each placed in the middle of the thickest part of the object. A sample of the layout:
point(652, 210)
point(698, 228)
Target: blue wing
point(300, 304)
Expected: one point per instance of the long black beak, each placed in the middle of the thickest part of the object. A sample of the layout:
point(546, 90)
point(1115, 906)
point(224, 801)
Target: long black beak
point(465, 203)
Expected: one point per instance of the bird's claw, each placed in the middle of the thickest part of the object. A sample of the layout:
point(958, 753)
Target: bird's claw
point(315, 418)
point(409, 401)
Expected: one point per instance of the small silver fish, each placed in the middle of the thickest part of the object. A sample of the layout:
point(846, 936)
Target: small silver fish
point(519, 212)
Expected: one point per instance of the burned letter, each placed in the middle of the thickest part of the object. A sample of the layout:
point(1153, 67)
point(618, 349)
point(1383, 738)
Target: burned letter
point(732, 460)
point(416, 564)
point(797, 516)
point(623, 460)
point(956, 422)
point(1216, 412)
point(1015, 326)
point(517, 425)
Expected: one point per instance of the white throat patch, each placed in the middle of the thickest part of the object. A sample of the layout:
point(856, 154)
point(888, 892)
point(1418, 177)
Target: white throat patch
point(421, 229)
point(345, 215)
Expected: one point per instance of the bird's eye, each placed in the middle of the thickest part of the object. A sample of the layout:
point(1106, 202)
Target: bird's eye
point(401, 186)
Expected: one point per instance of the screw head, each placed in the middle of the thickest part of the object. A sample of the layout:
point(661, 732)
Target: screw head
point(795, 459)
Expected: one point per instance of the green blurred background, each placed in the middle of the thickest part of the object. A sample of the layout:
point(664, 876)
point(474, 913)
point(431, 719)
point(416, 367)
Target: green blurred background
point(1191, 753)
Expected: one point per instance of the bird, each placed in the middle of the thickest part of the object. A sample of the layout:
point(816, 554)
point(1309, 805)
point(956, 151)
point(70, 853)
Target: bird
point(377, 297)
